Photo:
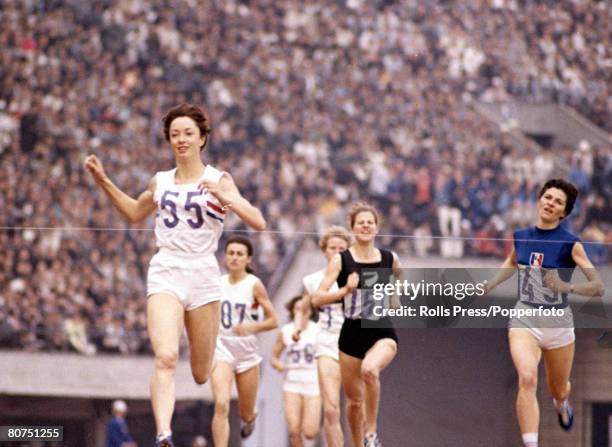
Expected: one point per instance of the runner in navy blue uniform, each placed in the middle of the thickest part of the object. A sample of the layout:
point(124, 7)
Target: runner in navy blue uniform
point(538, 252)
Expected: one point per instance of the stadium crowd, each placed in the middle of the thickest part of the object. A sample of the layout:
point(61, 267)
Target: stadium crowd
point(313, 104)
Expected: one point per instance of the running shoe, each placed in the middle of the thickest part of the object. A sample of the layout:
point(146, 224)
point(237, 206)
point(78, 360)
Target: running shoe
point(566, 418)
point(246, 428)
point(164, 441)
point(371, 440)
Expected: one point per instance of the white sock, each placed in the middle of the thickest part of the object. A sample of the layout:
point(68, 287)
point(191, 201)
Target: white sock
point(310, 442)
point(530, 439)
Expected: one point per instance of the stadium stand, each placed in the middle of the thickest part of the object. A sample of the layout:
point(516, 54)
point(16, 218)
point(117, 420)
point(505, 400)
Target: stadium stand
point(312, 107)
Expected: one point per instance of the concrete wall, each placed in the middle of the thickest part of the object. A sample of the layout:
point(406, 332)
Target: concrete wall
point(450, 387)
point(566, 125)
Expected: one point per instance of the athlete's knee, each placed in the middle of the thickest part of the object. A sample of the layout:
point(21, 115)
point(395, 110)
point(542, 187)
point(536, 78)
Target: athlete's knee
point(200, 370)
point(311, 433)
point(201, 373)
point(200, 376)
point(166, 359)
point(331, 414)
point(528, 380)
point(369, 374)
point(354, 402)
point(222, 407)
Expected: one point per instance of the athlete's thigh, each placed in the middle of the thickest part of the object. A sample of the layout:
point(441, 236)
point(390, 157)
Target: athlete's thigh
point(165, 322)
point(330, 379)
point(380, 354)
point(311, 417)
point(221, 381)
point(350, 370)
point(558, 363)
point(524, 349)
point(293, 410)
point(247, 384)
point(202, 325)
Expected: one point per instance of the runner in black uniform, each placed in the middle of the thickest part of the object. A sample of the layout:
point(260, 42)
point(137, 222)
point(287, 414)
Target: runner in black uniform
point(364, 352)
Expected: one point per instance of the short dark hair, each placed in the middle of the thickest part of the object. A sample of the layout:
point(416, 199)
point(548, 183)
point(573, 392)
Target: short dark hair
point(290, 305)
point(571, 192)
point(243, 241)
point(192, 111)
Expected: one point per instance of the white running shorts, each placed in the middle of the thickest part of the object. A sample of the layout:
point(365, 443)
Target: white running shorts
point(194, 281)
point(327, 345)
point(239, 352)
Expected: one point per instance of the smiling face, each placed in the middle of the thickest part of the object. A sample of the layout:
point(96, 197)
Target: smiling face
point(236, 257)
point(185, 137)
point(551, 206)
point(365, 227)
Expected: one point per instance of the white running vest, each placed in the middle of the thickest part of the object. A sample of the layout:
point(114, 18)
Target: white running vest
point(331, 316)
point(188, 221)
point(238, 305)
point(300, 361)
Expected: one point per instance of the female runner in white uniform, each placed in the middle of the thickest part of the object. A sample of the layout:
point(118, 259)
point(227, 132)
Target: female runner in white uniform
point(183, 283)
point(300, 385)
point(236, 353)
point(335, 240)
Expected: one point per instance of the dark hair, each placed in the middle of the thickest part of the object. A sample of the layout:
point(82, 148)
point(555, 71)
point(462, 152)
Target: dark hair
point(290, 305)
point(568, 188)
point(243, 241)
point(192, 111)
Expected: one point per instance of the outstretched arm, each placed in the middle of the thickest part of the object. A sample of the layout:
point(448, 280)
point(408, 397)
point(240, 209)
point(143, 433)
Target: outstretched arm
point(506, 270)
point(134, 210)
point(227, 193)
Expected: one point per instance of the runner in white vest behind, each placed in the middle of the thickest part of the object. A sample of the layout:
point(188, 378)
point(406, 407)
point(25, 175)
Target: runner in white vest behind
point(335, 240)
point(236, 353)
point(300, 386)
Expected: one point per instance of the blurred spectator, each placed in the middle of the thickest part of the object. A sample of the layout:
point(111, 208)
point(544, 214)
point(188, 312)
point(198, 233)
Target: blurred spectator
point(313, 105)
point(117, 433)
point(75, 331)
